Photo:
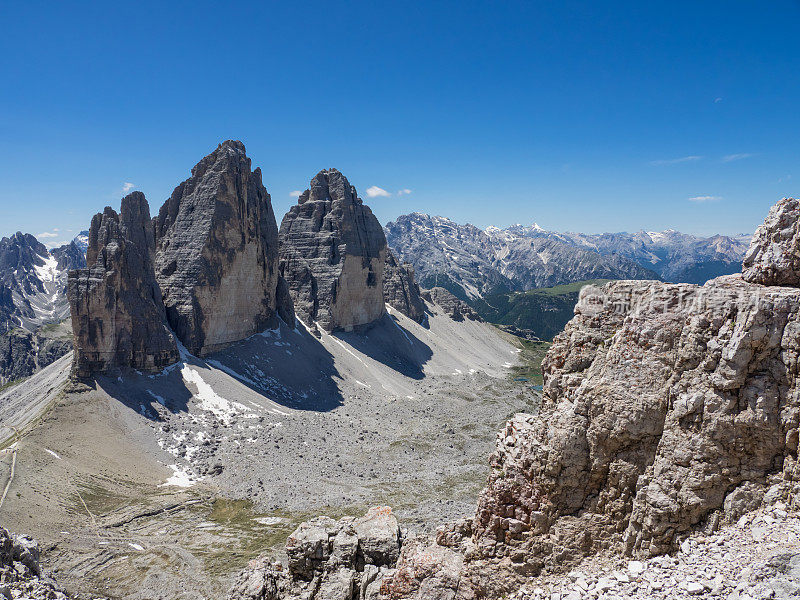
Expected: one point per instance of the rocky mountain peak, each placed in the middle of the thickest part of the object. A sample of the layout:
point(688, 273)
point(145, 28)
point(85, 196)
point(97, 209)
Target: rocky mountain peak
point(332, 255)
point(217, 251)
point(118, 317)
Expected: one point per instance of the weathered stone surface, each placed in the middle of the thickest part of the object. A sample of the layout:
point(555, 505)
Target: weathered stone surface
point(774, 254)
point(426, 571)
point(662, 400)
point(332, 254)
point(21, 575)
point(217, 252)
point(452, 306)
point(117, 312)
point(400, 289)
point(328, 560)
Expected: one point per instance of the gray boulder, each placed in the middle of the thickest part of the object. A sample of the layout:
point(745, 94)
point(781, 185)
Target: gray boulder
point(328, 560)
point(774, 254)
point(332, 254)
point(217, 252)
point(118, 318)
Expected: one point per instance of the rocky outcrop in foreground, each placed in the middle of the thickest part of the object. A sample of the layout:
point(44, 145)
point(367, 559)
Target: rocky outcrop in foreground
point(668, 408)
point(20, 573)
point(118, 317)
point(400, 289)
point(217, 252)
point(332, 254)
point(756, 556)
point(774, 254)
point(327, 560)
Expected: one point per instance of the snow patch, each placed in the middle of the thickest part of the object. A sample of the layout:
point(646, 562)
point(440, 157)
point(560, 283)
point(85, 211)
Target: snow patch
point(179, 478)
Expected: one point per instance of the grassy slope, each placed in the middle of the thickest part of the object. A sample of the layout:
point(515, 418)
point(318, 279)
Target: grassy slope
point(545, 311)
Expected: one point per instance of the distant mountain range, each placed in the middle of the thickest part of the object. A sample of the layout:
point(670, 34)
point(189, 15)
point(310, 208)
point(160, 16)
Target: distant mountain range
point(33, 280)
point(473, 263)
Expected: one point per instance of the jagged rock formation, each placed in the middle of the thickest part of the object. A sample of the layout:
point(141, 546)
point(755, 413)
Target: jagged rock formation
point(452, 306)
point(328, 560)
point(23, 352)
point(217, 252)
point(668, 407)
point(21, 575)
point(470, 262)
point(774, 254)
point(118, 317)
point(332, 255)
point(400, 289)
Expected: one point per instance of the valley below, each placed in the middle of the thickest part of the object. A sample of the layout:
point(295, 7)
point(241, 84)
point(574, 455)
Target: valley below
point(165, 486)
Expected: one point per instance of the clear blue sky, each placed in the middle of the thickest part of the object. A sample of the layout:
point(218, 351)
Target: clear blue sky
point(583, 116)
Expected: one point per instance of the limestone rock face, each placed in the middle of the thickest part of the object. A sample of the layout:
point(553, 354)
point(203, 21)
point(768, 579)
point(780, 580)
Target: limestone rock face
point(118, 318)
point(774, 254)
point(662, 399)
point(332, 254)
point(456, 309)
point(328, 560)
point(400, 289)
point(217, 252)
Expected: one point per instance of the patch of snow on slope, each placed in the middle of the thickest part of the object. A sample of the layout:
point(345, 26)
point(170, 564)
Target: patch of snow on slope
point(209, 400)
point(179, 478)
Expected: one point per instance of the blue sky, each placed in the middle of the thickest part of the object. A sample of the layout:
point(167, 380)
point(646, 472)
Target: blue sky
point(583, 116)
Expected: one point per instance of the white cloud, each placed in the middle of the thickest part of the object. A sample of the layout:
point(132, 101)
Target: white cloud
point(675, 161)
point(295, 193)
point(732, 157)
point(717, 100)
point(702, 199)
point(403, 192)
point(374, 191)
point(127, 187)
point(48, 234)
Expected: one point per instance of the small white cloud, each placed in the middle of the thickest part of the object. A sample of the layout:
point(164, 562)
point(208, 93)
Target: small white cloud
point(295, 193)
point(127, 187)
point(732, 157)
point(702, 199)
point(47, 234)
point(675, 161)
point(374, 191)
point(403, 192)
point(717, 100)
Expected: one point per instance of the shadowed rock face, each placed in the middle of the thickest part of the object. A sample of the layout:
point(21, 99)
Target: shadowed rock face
point(332, 255)
point(118, 317)
point(774, 254)
point(400, 289)
point(217, 252)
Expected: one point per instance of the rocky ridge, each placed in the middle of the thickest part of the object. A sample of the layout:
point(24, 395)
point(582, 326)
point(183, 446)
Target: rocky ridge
point(332, 255)
point(33, 282)
point(217, 251)
point(400, 289)
point(118, 316)
point(471, 262)
point(674, 256)
point(456, 309)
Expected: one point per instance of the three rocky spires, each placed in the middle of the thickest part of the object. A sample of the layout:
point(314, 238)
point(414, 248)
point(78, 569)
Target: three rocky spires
point(212, 268)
